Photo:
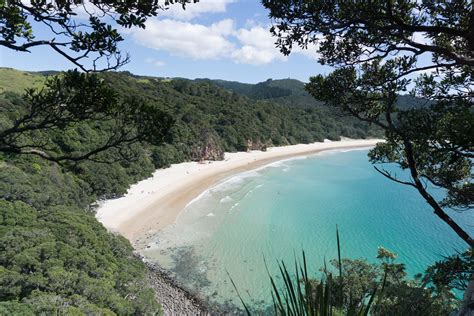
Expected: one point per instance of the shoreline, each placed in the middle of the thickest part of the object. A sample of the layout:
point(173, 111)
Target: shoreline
point(156, 202)
point(174, 299)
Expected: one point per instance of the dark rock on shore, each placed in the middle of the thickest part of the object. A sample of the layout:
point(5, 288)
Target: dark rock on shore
point(174, 299)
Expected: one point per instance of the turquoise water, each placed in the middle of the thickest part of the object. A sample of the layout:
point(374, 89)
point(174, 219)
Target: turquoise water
point(276, 211)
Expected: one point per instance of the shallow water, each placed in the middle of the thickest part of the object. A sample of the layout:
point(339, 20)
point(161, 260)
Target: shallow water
point(276, 211)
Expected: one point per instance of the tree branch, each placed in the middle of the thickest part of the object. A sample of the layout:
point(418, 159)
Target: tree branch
point(387, 174)
point(428, 198)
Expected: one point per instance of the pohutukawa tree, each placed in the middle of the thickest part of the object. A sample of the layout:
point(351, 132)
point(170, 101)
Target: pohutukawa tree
point(381, 50)
point(72, 99)
point(85, 33)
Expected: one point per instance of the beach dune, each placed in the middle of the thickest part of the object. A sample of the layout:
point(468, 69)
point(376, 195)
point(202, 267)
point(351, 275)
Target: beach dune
point(154, 203)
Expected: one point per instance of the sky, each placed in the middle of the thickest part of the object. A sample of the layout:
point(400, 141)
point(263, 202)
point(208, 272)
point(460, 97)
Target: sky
point(217, 39)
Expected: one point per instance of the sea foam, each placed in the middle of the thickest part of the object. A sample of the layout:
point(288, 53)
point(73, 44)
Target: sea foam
point(226, 199)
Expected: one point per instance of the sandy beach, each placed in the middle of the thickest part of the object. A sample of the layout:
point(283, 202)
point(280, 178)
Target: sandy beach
point(154, 203)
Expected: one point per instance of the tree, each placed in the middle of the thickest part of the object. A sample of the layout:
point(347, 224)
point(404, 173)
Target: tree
point(452, 272)
point(60, 261)
point(90, 43)
point(382, 49)
point(79, 98)
point(360, 288)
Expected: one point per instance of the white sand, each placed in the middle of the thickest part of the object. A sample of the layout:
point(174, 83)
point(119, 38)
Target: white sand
point(154, 203)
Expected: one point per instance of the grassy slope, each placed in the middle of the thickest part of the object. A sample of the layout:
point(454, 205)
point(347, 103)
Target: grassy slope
point(17, 80)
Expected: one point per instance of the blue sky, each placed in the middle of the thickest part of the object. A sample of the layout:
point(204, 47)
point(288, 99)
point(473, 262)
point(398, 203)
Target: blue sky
point(219, 39)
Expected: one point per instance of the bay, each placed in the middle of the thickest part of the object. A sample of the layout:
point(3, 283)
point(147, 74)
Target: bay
point(275, 212)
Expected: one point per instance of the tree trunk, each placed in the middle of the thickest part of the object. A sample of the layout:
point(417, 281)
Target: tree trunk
point(431, 201)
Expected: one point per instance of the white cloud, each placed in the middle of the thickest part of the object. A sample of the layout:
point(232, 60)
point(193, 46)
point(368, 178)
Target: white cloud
point(252, 45)
point(156, 62)
point(420, 37)
point(194, 10)
point(311, 51)
point(253, 56)
point(256, 36)
point(258, 47)
point(186, 39)
point(251, 23)
point(85, 9)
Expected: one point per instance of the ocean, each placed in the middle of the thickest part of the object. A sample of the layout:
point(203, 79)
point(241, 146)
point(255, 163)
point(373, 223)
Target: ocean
point(275, 212)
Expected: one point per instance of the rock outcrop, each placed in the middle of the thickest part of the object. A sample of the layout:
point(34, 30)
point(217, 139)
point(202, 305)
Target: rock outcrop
point(174, 299)
point(256, 145)
point(210, 147)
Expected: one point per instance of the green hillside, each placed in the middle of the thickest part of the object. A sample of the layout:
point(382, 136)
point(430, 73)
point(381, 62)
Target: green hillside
point(17, 81)
point(286, 86)
point(291, 92)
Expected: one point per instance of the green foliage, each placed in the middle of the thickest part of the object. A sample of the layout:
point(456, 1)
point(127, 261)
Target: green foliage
point(289, 92)
point(452, 272)
point(15, 308)
point(50, 186)
point(201, 106)
point(362, 289)
point(57, 122)
point(61, 261)
point(302, 295)
point(203, 115)
point(165, 155)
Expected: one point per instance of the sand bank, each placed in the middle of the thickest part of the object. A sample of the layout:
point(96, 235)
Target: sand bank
point(154, 203)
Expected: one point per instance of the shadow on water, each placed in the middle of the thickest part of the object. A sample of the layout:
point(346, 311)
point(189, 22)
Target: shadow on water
point(189, 271)
point(193, 267)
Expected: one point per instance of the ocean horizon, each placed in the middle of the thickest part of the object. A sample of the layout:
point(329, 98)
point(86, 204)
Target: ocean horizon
point(275, 212)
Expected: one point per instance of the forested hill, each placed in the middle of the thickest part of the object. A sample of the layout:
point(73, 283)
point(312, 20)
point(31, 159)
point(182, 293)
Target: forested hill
point(206, 113)
point(269, 89)
point(292, 92)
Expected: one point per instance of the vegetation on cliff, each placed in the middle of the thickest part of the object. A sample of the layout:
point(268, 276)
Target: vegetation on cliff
point(357, 287)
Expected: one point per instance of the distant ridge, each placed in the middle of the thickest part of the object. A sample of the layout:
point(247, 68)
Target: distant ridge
point(289, 92)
